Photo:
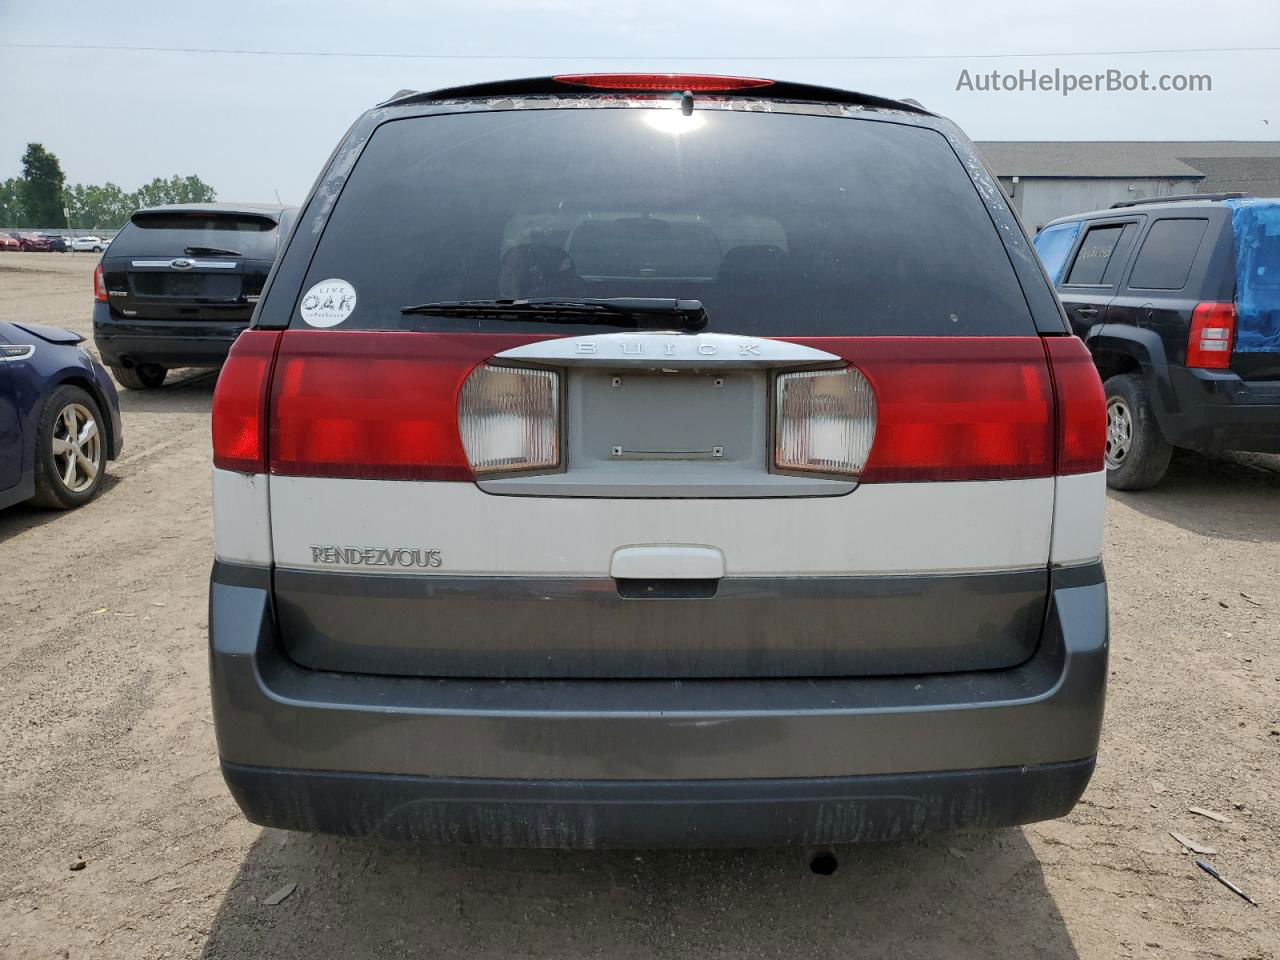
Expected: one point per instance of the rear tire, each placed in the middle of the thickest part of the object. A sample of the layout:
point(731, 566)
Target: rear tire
point(1137, 454)
point(71, 450)
point(146, 376)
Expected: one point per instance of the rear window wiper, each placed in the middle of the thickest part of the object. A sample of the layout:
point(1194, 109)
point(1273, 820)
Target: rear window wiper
point(644, 312)
point(210, 252)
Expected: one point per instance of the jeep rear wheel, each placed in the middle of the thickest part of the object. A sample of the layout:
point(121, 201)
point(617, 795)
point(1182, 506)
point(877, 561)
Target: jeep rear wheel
point(1137, 454)
point(146, 376)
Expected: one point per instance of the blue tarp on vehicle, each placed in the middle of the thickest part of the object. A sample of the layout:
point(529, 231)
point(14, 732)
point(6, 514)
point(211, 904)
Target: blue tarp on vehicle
point(1053, 244)
point(1256, 223)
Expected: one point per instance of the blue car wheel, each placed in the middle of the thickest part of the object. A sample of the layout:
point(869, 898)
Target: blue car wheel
point(70, 449)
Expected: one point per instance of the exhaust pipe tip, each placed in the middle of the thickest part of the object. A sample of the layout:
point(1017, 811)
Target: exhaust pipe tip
point(823, 862)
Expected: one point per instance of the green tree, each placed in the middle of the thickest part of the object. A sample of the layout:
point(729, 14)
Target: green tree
point(11, 214)
point(41, 188)
point(174, 190)
point(93, 207)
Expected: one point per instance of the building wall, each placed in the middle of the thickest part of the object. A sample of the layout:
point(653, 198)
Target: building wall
point(1041, 199)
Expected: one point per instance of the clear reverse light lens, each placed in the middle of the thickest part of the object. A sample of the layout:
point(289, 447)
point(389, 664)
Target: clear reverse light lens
point(509, 419)
point(826, 421)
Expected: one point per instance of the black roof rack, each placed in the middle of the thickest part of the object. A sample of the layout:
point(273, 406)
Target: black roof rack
point(1179, 197)
point(544, 86)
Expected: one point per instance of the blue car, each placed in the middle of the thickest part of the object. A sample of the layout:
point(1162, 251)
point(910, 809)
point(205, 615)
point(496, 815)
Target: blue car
point(59, 418)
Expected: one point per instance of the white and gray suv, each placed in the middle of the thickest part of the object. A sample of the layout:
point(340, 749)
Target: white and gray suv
point(653, 460)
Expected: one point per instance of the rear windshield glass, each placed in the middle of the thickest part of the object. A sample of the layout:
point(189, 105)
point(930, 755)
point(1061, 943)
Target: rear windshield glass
point(169, 234)
point(780, 224)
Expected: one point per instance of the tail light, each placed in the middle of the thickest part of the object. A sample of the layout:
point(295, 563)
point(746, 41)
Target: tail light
point(379, 406)
point(239, 403)
point(826, 421)
point(1082, 406)
point(977, 408)
point(509, 419)
point(954, 408)
point(666, 82)
point(99, 285)
point(1212, 336)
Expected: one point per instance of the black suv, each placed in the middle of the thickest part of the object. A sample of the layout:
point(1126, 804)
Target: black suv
point(178, 284)
point(1178, 300)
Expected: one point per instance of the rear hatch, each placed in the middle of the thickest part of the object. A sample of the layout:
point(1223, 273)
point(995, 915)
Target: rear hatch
point(1256, 225)
point(190, 264)
point(848, 471)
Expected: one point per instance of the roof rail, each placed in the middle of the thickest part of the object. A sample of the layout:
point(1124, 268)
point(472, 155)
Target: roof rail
point(1182, 196)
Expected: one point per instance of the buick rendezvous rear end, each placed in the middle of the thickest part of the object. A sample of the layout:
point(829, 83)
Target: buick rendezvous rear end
point(657, 460)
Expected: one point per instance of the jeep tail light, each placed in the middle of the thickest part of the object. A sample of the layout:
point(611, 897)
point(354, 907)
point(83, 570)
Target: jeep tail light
point(239, 403)
point(1213, 334)
point(509, 418)
point(1081, 406)
point(826, 422)
point(99, 285)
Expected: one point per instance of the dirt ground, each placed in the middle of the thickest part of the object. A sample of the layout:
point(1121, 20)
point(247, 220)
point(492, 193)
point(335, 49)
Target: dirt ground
point(107, 755)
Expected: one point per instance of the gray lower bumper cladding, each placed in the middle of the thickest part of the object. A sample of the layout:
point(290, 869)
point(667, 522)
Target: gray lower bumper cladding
point(637, 813)
point(579, 763)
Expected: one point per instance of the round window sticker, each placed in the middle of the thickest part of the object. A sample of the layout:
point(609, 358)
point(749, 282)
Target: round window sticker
point(328, 303)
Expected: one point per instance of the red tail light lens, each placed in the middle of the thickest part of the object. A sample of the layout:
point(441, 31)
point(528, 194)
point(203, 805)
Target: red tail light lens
point(1082, 406)
point(1212, 336)
point(374, 405)
point(239, 403)
point(954, 408)
point(99, 285)
point(664, 82)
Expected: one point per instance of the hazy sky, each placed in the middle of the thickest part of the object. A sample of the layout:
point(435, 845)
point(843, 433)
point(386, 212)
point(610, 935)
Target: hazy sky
point(253, 124)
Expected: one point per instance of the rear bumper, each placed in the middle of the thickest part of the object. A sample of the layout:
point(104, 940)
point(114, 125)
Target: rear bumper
point(649, 762)
point(639, 813)
point(169, 343)
point(1217, 410)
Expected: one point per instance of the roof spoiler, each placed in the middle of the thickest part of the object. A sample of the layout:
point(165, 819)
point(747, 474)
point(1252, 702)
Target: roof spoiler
point(1179, 197)
point(549, 86)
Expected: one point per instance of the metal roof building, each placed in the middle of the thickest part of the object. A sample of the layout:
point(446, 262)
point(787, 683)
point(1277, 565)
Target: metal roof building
point(1048, 179)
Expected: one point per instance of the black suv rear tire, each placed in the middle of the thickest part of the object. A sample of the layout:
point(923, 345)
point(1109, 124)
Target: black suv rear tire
point(1137, 453)
point(147, 376)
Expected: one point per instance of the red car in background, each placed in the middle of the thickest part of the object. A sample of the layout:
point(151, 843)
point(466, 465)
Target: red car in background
point(31, 242)
point(8, 242)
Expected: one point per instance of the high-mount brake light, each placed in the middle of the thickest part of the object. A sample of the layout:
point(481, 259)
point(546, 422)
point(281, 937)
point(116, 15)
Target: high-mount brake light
point(1212, 336)
point(509, 419)
point(661, 82)
point(826, 421)
point(99, 285)
point(239, 403)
